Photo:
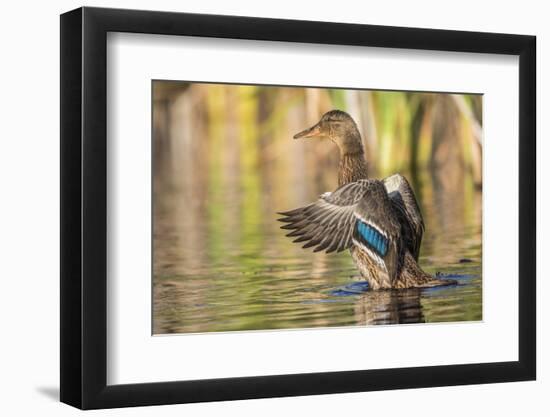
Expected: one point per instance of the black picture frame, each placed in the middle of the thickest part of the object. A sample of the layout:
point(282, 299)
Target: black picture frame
point(84, 207)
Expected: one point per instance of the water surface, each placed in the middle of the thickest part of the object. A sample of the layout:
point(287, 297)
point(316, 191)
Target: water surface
point(221, 263)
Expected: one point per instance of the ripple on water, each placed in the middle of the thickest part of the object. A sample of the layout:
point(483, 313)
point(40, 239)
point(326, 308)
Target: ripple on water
point(257, 279)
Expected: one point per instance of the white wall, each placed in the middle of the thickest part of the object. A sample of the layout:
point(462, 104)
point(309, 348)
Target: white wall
point(29, 238)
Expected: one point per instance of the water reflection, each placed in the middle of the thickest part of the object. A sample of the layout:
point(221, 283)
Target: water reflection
point(255, 279)
point(389, 307)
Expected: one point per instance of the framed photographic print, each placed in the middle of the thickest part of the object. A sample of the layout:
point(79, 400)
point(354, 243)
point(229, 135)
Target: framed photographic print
point(257, 207)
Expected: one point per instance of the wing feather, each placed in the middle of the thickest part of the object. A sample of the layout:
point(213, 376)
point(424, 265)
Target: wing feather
point(329, 223)
point(376, 211)
point(326, 225)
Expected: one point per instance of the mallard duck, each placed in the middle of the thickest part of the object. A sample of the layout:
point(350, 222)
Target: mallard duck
point(379, 221)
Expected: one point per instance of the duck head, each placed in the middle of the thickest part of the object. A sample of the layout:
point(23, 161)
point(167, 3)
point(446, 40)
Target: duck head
point(339, 127)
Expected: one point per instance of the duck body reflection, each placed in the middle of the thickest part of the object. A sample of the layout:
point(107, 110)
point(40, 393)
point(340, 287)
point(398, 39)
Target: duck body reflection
point(389, 307)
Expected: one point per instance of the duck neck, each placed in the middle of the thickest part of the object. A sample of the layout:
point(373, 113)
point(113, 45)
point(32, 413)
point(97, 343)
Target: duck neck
point(353, 167)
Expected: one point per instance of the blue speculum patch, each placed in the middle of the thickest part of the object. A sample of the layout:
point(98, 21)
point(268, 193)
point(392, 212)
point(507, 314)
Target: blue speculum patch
point(372, 237)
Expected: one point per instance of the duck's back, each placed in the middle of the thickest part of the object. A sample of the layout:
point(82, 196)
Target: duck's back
point(407, 210)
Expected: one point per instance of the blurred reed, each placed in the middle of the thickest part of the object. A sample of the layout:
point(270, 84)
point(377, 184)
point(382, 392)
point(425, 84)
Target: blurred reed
point(245, 127)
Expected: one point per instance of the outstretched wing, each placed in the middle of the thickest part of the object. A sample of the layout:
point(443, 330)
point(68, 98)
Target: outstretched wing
point(406, 207)
point(328, 223)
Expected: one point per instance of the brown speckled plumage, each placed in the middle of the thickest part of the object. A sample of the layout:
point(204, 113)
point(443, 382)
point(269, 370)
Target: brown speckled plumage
point(351, 168)
point(378, 221)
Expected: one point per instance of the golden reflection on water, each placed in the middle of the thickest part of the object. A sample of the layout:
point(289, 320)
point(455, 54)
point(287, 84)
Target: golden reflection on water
point(245, 280)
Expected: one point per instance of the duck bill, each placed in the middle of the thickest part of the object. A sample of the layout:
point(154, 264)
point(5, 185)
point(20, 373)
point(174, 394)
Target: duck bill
point(312, 132)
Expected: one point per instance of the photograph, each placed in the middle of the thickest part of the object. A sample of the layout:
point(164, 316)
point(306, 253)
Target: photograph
point(272, 209)
point(300, 207)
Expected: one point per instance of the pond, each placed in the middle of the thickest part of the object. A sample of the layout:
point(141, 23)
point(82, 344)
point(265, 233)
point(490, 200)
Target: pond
point(222, 263)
